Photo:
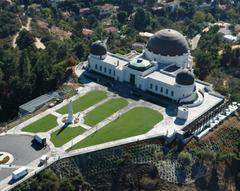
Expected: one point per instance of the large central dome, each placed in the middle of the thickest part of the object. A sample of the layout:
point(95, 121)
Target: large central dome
point(168, 42)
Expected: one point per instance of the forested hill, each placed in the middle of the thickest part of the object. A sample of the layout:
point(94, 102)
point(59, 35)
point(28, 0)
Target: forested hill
point(26, 71)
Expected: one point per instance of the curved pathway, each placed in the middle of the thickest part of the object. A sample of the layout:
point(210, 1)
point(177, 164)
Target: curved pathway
point(27, 27)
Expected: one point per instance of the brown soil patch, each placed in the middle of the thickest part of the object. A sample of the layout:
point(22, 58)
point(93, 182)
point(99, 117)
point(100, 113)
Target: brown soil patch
point(54, 30)
point(5, 160)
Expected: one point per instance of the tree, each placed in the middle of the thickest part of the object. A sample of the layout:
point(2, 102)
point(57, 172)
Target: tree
point(58, 73)
point(71, 61)
point(8, 22)
point(25, 39)
point(61, 52)
point(204, 63)
point(199, 17)
point(122, 17)
point(151, 3)
point(80, 50)
point(42, 72)
point(226, 57)
point(192, 29)
point(24, 66)
point(141, 19)
point(2, 86)
point(126, 5)
point(92, 21)
point(1, 74)
point(66, 186)
point(209, 18)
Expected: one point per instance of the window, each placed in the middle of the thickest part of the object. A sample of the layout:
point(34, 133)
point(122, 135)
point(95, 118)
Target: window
point(113, 72)
point(172, 93)
point(105, 69)
point(117, 78)
point(156, 88)
point(96, 66)
point(161, 89)
point(100, 68)
point(140, 87)
point(167, 91)
point(151, 86)
point(109, 71)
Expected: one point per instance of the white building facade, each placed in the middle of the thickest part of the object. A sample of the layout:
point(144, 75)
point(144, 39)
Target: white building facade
point(164, 67)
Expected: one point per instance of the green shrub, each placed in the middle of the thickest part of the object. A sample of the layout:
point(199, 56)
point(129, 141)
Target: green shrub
point(185, 158)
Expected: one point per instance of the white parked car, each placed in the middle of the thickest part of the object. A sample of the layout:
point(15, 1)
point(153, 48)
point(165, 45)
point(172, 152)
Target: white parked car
point(44, 159)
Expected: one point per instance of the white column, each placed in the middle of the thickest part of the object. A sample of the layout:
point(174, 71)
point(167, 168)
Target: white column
point(70, 113)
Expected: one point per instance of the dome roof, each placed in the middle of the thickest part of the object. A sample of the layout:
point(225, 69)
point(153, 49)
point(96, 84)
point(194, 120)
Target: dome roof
point(139, 64)
point(98, 48)
point(168, 42)
point(185, 78)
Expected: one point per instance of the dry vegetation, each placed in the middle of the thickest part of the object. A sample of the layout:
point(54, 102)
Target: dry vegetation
point(41, 29)
point(225, 138)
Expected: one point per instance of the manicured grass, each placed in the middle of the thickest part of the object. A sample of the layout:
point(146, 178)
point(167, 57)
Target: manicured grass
point(85, 101)
point(42, 125)
point(137, 121)
point(104, 111)
point(60, 137)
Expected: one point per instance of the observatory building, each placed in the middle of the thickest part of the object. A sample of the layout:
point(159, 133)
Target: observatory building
point(164, 67)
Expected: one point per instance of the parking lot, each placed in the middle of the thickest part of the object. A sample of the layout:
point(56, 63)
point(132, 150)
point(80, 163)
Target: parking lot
point(23, 149)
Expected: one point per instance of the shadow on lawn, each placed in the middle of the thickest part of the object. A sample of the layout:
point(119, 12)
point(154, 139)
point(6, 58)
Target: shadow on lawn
point(62, 128)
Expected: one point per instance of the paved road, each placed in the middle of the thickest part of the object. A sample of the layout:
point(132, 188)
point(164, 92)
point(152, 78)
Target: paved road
point(5, 172)
point(195, 41)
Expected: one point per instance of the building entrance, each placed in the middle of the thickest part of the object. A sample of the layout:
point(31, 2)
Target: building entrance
point(132, 79)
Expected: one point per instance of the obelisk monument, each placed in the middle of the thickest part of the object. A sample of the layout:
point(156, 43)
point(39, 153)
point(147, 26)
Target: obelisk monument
point(70, 113)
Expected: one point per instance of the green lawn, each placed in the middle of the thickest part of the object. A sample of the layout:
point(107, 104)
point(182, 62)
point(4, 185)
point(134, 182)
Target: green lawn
point(104, 111)
point(137, 121)
point(42, 125)
point(85, 101)
point(59, 137)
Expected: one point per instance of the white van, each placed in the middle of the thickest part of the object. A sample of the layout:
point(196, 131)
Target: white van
point(19, 173)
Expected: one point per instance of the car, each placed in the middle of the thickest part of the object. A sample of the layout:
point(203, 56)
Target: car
point(43, 160)
point(51, 105)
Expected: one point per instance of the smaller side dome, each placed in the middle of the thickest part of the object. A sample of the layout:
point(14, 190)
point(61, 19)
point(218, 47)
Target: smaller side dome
point(98, 48)
point(185, 78)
